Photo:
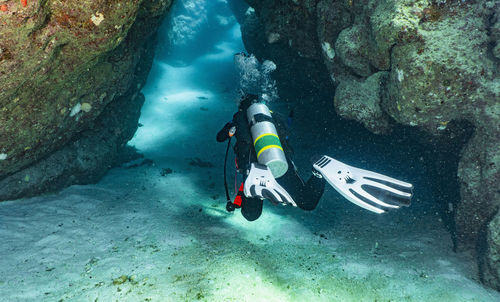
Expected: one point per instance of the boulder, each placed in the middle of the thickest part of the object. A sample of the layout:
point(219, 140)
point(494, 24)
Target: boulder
point(360, 101)
point(491, 260)
point(62, 66)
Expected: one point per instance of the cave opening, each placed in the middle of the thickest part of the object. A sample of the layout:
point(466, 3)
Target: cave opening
point(192, 79)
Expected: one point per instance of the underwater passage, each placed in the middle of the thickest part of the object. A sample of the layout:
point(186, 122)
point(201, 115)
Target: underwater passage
point(230, 150)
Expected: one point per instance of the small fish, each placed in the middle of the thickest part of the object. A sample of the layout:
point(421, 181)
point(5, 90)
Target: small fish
point(166, 171)
point(202, 98)
point(203, 108)
point(196, 162)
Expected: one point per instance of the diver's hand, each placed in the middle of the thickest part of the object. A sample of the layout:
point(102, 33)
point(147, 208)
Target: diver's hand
point(226, 132)
point(260, 183)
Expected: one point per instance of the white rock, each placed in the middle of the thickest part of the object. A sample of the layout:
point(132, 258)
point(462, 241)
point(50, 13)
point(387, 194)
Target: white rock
point(328, 50)
point(401, 75)
point(273, 38)
point(97, 18)
point(75, 109)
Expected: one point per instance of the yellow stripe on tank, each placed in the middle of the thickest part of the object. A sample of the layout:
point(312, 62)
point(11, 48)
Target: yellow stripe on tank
point(268, 147)
point(262, 135)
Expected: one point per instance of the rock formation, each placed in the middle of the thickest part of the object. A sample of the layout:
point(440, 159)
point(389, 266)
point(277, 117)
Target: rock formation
point(70, 77)
point(429, 64)
point(490, 261)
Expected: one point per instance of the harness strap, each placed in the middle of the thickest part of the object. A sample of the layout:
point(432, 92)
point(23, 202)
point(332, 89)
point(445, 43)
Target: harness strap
point(260, 117)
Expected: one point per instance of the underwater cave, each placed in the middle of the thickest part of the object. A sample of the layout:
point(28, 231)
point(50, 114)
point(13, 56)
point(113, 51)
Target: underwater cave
point(139, 161)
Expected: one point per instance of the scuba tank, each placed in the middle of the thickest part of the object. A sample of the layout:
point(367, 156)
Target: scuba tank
point(266, 140)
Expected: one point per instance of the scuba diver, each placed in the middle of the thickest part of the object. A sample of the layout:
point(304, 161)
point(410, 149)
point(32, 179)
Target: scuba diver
point(262, 156)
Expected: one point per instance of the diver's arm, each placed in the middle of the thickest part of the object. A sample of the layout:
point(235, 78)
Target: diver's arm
point(225, 132)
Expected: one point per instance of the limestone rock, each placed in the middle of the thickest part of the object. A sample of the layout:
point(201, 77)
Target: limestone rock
point(361, 101)
point(352, 51)
point(479, 176)
point(83, 161)
point(332, 18)
point(292, 22)
point(307, 73)
point(61, 64)
point(491, 260)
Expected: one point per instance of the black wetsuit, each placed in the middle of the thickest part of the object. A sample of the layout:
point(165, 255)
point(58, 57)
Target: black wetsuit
point(306, 195)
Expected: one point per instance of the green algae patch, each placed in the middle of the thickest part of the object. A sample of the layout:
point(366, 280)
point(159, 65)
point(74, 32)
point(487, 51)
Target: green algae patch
point(120, 280)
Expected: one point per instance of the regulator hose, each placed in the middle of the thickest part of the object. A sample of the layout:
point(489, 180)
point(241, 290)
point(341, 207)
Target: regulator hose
point(229, 205)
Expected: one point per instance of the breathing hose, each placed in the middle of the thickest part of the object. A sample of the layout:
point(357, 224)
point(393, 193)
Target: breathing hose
point(229, 205)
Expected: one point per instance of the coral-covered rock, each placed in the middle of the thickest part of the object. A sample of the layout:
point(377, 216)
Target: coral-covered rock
point(84, 160)
point(446, 75)
point(491, 260)
point(495, 30)
point(61, 64)
point(360, 100)
point(479, 176)
point(352, 51)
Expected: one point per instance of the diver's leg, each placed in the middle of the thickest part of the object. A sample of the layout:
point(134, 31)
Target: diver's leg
point(306, 195)
point(251, 208)
point(311, 193)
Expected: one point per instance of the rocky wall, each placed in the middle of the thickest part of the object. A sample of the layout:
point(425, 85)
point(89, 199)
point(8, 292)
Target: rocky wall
point(429, 64)
point(490, 261)
point(70, 76)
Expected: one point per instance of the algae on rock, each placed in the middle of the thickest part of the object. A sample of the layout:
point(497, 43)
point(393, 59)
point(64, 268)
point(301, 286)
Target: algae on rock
point(491, 259)
point(361, 101)
point(62, 63)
